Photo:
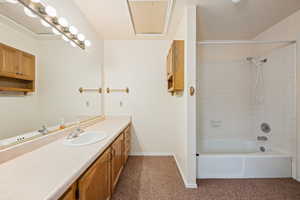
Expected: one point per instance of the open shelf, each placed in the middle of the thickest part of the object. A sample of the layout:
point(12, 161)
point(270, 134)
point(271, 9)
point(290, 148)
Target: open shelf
point(16, 85)
point(15, 89)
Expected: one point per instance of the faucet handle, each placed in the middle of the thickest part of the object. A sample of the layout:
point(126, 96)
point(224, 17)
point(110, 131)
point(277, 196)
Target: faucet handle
point(44, 130)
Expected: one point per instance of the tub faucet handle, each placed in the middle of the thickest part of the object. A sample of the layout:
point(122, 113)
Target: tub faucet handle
point(262, 138)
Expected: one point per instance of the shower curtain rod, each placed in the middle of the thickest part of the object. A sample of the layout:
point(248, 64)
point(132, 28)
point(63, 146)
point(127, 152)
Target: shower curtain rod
point(232, 42)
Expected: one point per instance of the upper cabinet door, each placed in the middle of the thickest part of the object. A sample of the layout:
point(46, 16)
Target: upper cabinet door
point(175, 67)
point(27, 66)
point(16, 64)
point(9, 61)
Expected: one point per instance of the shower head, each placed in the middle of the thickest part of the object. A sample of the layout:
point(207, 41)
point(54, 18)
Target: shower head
point(264, 60)
point(249, 58)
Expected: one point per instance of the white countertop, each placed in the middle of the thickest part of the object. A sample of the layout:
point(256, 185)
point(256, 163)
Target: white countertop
point(46, 173)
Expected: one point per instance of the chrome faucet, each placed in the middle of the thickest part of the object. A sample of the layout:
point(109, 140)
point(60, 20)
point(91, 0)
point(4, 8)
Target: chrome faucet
point(262, 138)
point(44, 130)
point(76, 133)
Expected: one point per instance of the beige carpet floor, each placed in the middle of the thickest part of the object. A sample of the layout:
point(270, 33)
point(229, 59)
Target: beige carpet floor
point(157, 178)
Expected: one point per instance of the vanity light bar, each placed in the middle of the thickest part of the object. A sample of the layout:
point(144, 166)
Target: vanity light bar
point(48, 14)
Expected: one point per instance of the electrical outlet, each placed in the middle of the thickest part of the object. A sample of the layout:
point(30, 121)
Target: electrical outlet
point(215, 123)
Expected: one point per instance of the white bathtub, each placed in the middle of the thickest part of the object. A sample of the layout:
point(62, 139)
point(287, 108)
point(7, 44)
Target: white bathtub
point(240, 159)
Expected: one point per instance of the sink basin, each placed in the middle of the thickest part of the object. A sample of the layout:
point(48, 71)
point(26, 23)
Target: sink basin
point(86, 138)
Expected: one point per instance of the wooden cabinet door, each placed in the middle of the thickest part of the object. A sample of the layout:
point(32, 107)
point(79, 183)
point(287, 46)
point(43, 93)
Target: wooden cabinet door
point(9, 60)
point(95, 184)
point(70, 194)
point(170, 61)
point(127, 143)
point(179, 65)
point(27, 66)
point(117, 159)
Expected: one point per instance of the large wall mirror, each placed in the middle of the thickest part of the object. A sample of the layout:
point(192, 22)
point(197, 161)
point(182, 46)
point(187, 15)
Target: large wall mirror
point(48, 94)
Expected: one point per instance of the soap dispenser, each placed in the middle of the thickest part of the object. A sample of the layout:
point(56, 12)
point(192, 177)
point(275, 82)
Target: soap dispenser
point(62, 123)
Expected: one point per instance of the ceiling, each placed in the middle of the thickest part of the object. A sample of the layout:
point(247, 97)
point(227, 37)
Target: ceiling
point(224, 20)
point(217, 19)
point(111, 18)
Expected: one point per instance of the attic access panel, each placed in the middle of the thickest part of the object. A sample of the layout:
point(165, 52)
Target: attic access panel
point(150, 17)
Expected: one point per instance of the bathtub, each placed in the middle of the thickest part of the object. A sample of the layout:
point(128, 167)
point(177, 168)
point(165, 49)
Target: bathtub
point(240, 159)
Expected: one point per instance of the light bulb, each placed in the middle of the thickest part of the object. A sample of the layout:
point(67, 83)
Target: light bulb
point(44, 23)
point(12, 1)
point(29, 12)
point(63, 22)
point(50, 11)
point(36, 1)
point(87, 43)
point(236, 1)
point(73, 30)
point(56, 32)
point(65, 38)
point(81, 37)
point(73, 44)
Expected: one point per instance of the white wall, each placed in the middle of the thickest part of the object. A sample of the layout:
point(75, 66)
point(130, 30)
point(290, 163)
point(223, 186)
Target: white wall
point(224, 100)
point(279, 106)
point(288, 29)
point(280, 76)
point(222, 89)
point(180, 143)
point(20, 112)
point(224, 106)
point(140, 65)
point(160, 121)
point(186, 139)
point(72, 68)
point(61, 71)
point(191, 105)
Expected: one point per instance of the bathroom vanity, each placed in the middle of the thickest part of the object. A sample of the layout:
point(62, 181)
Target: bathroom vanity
point(100, 179)
point(60, 171)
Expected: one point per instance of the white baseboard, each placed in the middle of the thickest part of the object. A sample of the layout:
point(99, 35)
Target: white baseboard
point(187, 185)
point(150, 154)
point(191, 186)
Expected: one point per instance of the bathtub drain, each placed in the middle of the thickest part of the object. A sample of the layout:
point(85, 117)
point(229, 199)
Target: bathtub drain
point(262, 149)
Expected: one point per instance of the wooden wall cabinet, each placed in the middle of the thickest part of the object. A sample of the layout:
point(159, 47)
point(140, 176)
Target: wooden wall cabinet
point(175, 67)
point(17, 70)
point(100, 180)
